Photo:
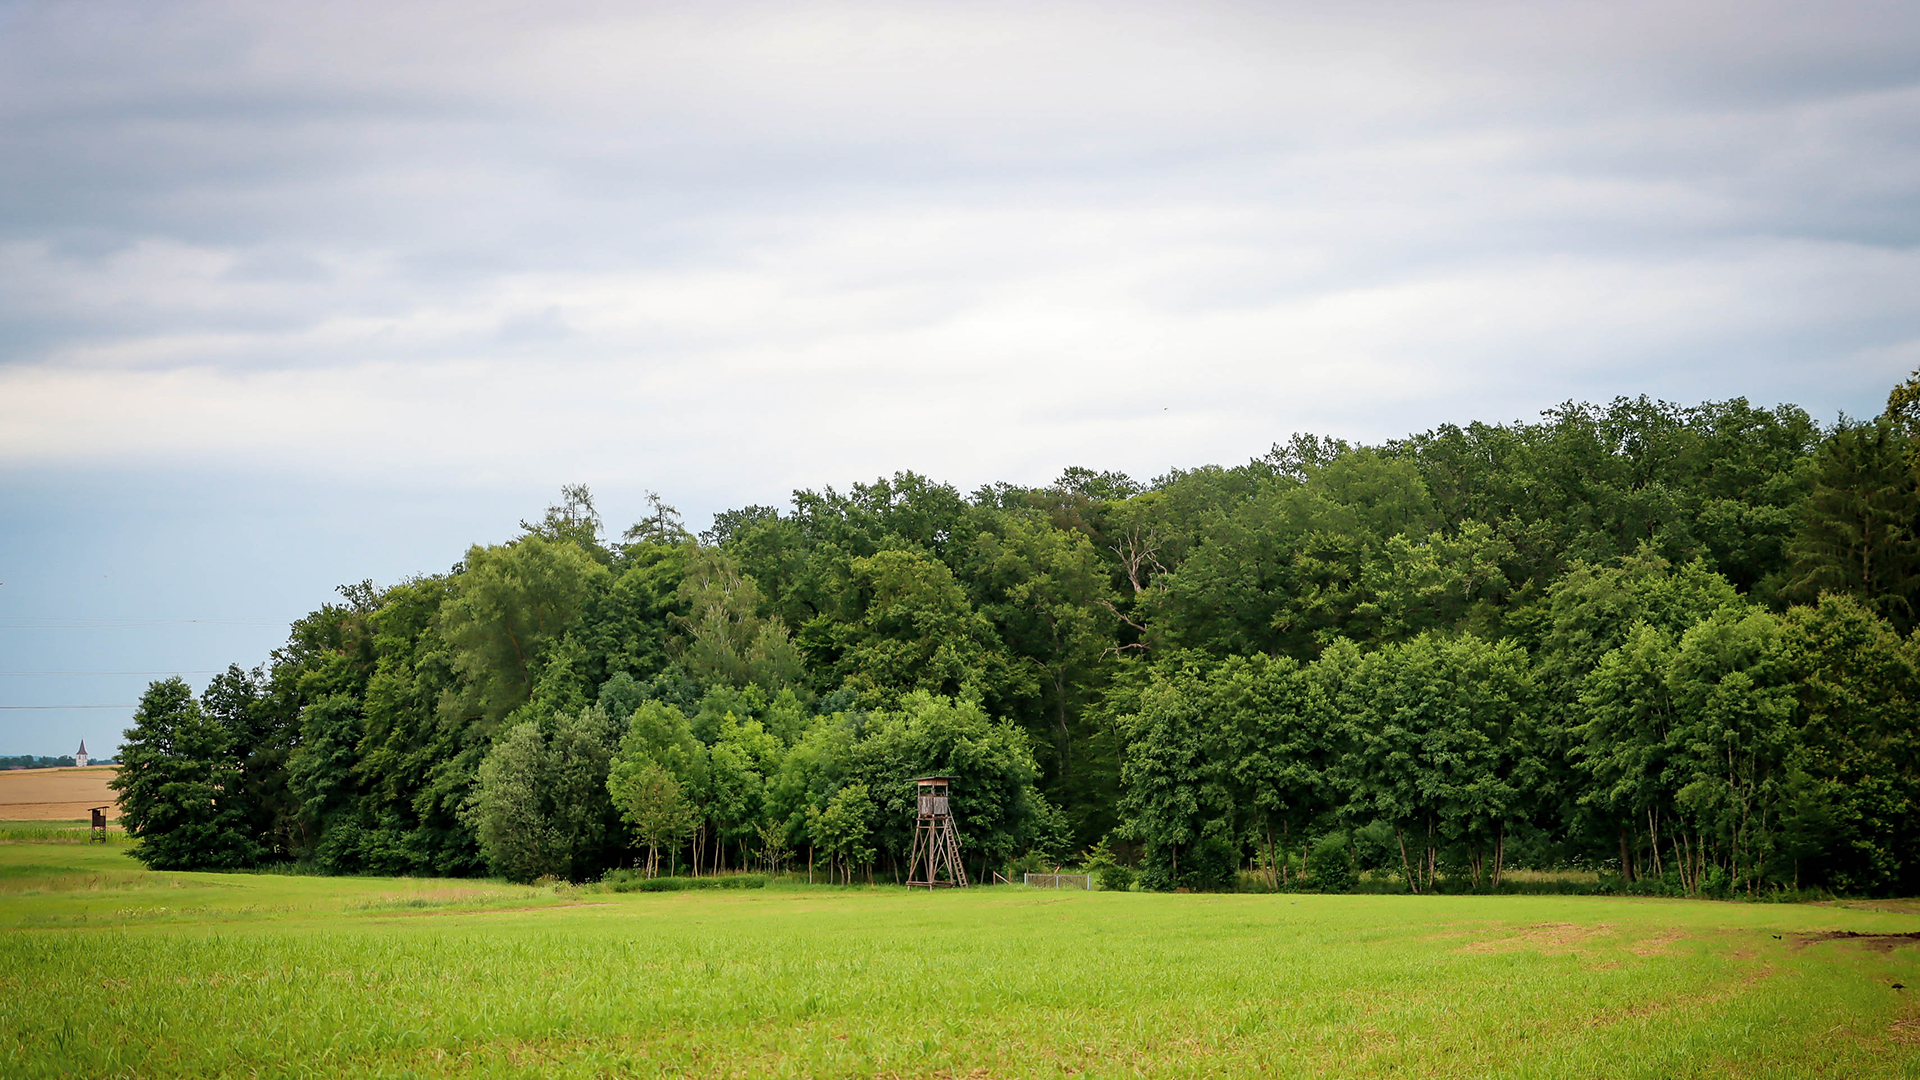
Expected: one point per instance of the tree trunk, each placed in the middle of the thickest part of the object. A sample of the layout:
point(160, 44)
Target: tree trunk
point(1060, 721)
point(1413, 880)
point(1626, 857)
point(1653, 836)
point(1432, 855)
point(1273, 868)
point(1499, 853)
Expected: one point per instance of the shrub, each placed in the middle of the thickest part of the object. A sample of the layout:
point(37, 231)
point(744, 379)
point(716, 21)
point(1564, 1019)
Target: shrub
point(1106, 868)
point(1212, 862)
point(625, 881)
point(1329, 867)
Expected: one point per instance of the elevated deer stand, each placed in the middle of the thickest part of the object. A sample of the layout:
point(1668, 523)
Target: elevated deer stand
point(98, 834)
point(936, 850)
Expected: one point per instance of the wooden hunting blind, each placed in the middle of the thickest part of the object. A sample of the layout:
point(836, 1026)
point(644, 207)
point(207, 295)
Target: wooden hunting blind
point(98, 833)
point(936, 848)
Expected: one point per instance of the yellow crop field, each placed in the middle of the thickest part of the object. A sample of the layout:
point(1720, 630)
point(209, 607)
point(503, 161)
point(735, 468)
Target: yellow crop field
point(56, 794)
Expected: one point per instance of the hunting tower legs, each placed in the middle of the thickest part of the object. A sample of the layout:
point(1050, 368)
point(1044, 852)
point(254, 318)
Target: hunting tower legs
point(935, 863)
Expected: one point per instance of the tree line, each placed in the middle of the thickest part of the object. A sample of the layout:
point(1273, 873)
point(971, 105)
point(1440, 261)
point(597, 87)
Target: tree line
point(43, 761)
point(1672, 643)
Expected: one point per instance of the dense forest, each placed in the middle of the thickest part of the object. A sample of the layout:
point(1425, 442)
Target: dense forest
point(1672, 644)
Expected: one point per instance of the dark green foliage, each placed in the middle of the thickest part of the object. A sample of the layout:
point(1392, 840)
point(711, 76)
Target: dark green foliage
point(1329, 864)
point(1592, 483)
point(1565, 642)
point(259, 742)
point(1860, 529)
point(1106, 868)
point(624, 881)
point(505, 608)
point(540, 805)
point(181, 794)
point(999, 812)
point(1435, 738)
point(1854, 794)
point(1173, 785)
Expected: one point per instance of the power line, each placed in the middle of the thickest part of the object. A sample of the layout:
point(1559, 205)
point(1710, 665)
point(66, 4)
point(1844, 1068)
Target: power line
point(173, 671)
point(69, 706)
point(117, 624)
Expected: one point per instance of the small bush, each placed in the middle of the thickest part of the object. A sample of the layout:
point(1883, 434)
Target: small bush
point(1210, 864)
point(1328, 865)
point(625, 881)
point(1032, 862)
point(1106, 869)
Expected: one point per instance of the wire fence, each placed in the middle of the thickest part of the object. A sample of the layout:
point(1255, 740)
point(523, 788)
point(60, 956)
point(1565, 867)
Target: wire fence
point(1060, 881)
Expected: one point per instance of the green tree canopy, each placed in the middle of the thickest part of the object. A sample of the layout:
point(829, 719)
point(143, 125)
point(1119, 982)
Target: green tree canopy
point(181, 794)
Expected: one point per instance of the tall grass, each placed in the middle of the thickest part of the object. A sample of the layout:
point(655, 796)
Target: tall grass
point(55, 832)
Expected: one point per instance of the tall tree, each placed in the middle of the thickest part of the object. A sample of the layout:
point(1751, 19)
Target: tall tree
point(913, 630)
point(1859, 528)
point(728, 640)
point(1857, 808)
point(259, 739)
point(180, 792)
point(1046, 592)
point(508, 603)
point(1172, 785)
point(540, 805)
point(841, 828)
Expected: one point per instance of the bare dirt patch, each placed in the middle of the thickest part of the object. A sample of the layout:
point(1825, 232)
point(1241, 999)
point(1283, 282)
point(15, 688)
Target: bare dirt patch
point(1885, 943)
point(1897, 907)
point(435, 898)
point(1657, 944)
point(1543, 936)
point(56, 794)
point(436, 914)
point(1906, 1030)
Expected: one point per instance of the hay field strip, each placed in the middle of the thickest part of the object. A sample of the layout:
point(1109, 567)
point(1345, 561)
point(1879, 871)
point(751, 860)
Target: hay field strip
point(56, 794)
point(106, 969)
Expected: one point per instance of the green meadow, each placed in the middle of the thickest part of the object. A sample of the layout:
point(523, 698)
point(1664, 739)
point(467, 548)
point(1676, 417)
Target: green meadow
point(109, 970)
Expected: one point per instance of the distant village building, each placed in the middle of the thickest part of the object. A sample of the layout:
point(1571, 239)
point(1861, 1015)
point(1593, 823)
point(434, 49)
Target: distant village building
point(80, 757)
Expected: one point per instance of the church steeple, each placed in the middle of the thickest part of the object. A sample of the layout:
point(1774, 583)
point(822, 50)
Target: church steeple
point(80, 758)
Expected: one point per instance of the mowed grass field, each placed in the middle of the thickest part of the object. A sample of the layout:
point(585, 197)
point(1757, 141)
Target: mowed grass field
point(107, 970)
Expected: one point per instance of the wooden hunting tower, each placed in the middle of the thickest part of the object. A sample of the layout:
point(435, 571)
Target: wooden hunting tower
point(936, 850)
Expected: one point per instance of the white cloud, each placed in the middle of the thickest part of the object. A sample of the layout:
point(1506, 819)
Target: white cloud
point(751, 246)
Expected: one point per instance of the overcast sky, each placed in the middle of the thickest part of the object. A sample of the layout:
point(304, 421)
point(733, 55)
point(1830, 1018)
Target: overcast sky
point(295, 297)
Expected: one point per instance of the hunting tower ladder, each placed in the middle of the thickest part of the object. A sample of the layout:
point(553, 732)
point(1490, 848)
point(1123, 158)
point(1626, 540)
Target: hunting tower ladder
point(936, 849)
